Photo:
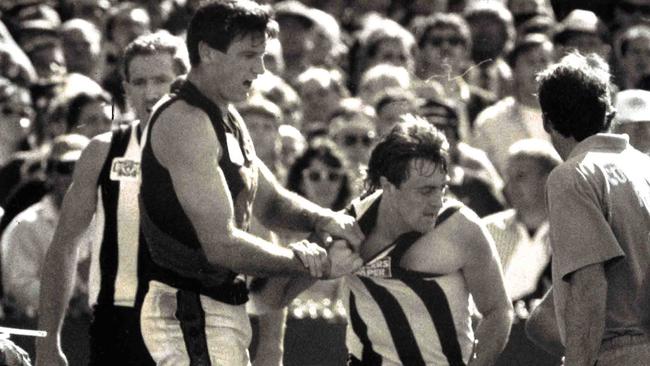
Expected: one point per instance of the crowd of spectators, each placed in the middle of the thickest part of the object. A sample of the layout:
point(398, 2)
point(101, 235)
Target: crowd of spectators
point(339, 74)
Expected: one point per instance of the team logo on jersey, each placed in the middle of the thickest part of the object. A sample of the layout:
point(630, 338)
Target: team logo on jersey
point(380, 268)
point(123, 169)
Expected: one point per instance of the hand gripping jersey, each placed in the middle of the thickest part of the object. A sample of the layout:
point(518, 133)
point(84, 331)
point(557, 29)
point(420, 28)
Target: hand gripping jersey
point(398, 316)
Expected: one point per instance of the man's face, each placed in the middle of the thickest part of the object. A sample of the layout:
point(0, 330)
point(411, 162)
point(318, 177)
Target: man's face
point(263, 129)
point(419, 199)
point(525, 184)
point(357, 140)
point(60, 177)
point(636, 61)
point(489, 37)
point(319, 100)
point(81, 50)
point(529, 63)
point(444, 49)
point(585, 43)
point(149, 79)
point(393, 52)
point(235, 70)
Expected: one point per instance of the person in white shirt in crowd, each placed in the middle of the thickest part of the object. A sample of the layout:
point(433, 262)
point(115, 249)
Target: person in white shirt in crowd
point(519, 116)
point(27, 238)
point(521, 238)
point(633, 117)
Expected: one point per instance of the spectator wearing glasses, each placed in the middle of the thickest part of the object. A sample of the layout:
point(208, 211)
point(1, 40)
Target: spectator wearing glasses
point(28, 236)
point(493, 35)
point(444, 45)
point(390, 105)
point(354, 130)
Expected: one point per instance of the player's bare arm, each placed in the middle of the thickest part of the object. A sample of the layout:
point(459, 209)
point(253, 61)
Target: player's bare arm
point(278, 208)
point(59, 269)
point(185, 143)
point(484, 277)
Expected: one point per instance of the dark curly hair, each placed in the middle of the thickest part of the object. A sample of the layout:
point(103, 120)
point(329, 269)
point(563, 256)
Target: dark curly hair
point(411, 138)
point(327, 152)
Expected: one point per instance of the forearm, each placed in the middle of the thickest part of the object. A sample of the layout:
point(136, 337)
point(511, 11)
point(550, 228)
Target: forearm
point(278, 291)
point(271, 338)
point(286, 210)
point(585, 321)
point(57, 279)
point(248, 254)
point(492, 335)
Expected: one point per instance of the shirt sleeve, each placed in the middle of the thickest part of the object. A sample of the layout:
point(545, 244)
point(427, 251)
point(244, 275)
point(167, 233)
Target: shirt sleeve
point(579, 232)
point(21, 264)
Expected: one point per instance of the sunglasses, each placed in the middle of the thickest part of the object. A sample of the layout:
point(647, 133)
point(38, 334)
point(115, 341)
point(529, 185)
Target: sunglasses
point(352, 140)
point(319, 175)
point(630, 8)
point(452, 41)
point(60, 167)
point(9, 110)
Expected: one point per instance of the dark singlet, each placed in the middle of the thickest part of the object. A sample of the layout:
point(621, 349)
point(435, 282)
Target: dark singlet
point(177, 255)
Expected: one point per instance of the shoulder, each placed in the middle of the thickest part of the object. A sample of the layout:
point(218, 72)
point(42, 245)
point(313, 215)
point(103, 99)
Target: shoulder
point(26, 219)
point(182, 129)
point(493, 113)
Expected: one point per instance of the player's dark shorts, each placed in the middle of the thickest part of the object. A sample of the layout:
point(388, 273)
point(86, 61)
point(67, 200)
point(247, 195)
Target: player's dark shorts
point(115, 338)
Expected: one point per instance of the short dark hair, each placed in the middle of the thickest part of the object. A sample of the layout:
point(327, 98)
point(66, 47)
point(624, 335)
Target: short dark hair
point(219, 22)
point(153, 44)
point(576, 95)
point(412, 138)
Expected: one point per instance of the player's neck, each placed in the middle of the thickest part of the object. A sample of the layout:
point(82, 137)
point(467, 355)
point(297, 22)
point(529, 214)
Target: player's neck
point(389, 224)
point(203, 82)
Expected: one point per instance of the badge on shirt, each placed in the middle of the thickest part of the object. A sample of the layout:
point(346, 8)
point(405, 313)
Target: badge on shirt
point(234, 150)
point(380, 268)
point(124, 169)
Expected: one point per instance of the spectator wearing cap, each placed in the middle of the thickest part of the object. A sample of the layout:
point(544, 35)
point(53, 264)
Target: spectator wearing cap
point(28, 236)
point(525, 10)
point(628, 13)
point(519, 116)
point(41, 42)
point(633, 54)
point(633, 117)
point(296, 36)
point(521, 238)
point(583, 31)
point(81, 42)
point(329, 50)
point(493, 36)
point(444, 45)
point(473, 178)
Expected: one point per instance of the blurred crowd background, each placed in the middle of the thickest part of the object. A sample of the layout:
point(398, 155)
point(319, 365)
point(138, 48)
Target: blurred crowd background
point(339, 74)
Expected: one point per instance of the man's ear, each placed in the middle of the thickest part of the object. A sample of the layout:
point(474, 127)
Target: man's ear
point(206, 53)
point(386, 185)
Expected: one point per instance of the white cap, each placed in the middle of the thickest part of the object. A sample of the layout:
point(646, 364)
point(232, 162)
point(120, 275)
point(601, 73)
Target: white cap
point(633, 105)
